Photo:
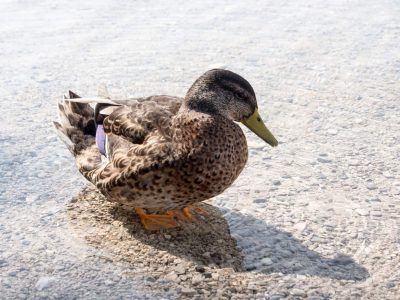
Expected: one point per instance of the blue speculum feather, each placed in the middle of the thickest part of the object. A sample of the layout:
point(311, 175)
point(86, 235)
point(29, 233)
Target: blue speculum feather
point(101, 139)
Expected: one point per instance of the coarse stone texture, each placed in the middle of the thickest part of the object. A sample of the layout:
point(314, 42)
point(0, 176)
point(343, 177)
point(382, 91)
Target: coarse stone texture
point(316, 217)
point(202, 258)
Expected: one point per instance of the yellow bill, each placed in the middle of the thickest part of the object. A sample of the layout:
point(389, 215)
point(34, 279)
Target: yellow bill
point(256, 124)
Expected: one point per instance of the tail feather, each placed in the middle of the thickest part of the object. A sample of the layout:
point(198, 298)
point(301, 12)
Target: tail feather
point(73, 95)
point(76, 127)
point(63, 135)
point(82, 109)
point(77, 130)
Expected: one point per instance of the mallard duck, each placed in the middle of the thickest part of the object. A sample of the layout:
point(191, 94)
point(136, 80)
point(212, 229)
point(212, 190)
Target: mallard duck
point(161, 154)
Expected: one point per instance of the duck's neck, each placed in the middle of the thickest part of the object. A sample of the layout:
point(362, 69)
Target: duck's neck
point(200, 104)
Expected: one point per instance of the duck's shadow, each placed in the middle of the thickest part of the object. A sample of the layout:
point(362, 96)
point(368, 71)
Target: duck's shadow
point(207, 242)
point(268, 249)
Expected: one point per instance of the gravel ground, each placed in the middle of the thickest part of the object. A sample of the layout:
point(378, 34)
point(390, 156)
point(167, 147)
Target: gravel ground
point(316, 217)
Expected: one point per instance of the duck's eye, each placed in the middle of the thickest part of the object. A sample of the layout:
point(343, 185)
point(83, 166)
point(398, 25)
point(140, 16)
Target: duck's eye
point(240, 95)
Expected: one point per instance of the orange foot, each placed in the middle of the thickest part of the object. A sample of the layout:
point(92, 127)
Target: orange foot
point(156, 222)
point(189, 210)
point(168, 220)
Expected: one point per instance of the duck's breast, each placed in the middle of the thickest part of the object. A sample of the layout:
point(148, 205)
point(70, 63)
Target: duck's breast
point(210, 152)
point(217, 157)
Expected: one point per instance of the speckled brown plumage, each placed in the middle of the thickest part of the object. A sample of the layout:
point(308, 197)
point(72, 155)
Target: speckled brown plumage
point(165, 152)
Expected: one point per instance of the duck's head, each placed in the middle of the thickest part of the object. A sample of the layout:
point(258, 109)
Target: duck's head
point(226, 93)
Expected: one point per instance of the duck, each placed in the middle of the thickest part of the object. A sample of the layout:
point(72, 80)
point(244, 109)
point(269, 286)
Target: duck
point(160, 155)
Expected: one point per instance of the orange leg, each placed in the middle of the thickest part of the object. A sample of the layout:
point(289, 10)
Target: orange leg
point(156, 222)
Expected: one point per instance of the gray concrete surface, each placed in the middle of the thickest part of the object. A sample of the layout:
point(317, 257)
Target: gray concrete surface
point(317, 217)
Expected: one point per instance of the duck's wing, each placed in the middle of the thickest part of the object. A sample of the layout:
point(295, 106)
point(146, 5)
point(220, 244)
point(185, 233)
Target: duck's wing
point(129, 127)
point(138, 140)
point(136, 119)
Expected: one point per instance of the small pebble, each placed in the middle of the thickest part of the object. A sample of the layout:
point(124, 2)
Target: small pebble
point(371, 186)
point(197, 279)
point(44, 282)
point(188, 291)
point(354, 162)
point(362, 212)
point(298, 292)
point(324, 160)
point(332, 131)
point(266, 261)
